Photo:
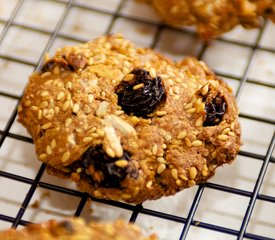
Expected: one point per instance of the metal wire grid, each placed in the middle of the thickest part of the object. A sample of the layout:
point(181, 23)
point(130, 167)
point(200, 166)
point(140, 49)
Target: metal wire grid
point(138, 209)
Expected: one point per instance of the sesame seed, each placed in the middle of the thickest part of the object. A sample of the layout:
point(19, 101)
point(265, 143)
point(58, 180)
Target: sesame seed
point(94, 135)
point(56, 70)
point(86, 109)
point(45, 111)
point(97, 193)
point(34, 108)
point(128, 77)
point(65, 156)
point(66, 106)
point(49, 150)
point(178, 182)
point(19, 109)
point(42, 156)
point(136, 191)
point(182, 134)
point(193, 173)
point(161, 160)
point(39, 114)
point(53, 144)
point(69, 85)
point(87, 139)
point(161, 168)
point(197, 143)
point(223, 137)
point(167, 137)
point(214, 154)
point(154, 149)
point(199, 122)
point(205, 89)
point(49, 116)
point(46, 125)
point(164, 146)
point(110, 152)
point(79, 130)
point(226, 131)
point(174, 173)
point(44, 104)
point(205, 171)
point(183, 177)
point(149, 184)
point(60, 84)
point(56, 110)
point(27, 103)
point(232, 125)
point(188, 106)
point(76, 108)
point(191, 183)
point(161, 113)
point(60, 95)
point(187, 142)
point(200, 108)
point(68, 121)
point(191, 110)
point(45, 74)
point(138, 86)
point(90, 98)
point(48, 82)
point(231, 134)
point(152, 72)
point(44, 93)
point(121, 163)
point(126, 196)
point(176, 142)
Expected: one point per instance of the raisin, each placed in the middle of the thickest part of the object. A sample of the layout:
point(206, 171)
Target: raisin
point(52, 63)
point(268, 11)
point(143, 100)
point(69, 63)
point(97, 160)
point(76, 61)
point(214, 111)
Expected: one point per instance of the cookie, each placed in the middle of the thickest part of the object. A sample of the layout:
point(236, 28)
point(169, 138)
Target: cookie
point(73, 229)
point(127, 123)
point(213, 18)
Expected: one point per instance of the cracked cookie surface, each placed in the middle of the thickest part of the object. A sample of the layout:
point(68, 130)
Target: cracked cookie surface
point(128, 124)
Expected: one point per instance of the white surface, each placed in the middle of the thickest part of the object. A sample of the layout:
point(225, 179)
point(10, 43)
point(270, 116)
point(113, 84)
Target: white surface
point(216, 207)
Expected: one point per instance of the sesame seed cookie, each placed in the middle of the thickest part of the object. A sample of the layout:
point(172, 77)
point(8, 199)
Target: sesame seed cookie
point(213, 18)
point(128, 124)
point(73, 229)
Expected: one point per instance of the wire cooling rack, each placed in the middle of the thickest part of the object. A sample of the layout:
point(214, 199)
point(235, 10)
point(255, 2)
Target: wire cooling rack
point(238, 203)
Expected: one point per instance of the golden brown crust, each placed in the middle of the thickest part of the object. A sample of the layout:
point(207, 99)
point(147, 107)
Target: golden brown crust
point(73, 229)
point(213, 18)
point(71, 108)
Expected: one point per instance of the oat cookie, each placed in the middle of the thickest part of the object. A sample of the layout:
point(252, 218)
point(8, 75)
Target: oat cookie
point(76, 229)
point(213, 18)
point(128, 124)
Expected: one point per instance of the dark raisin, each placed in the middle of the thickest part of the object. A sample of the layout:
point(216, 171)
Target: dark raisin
point(97, 160)
point(144, 100)
point(268, 10)
point(214, 111)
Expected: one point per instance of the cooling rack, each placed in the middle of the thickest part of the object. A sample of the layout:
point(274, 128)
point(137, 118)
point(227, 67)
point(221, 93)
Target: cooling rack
point(238, 203)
